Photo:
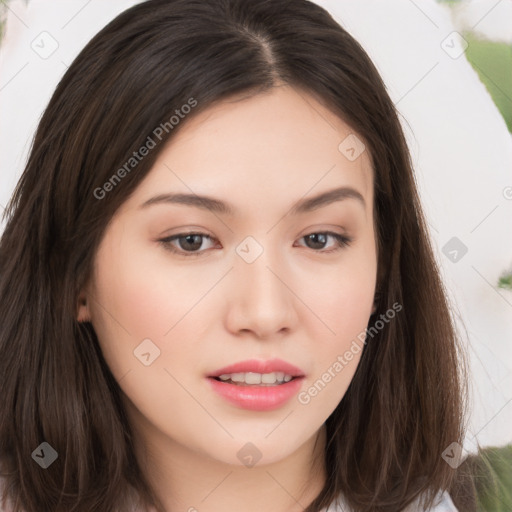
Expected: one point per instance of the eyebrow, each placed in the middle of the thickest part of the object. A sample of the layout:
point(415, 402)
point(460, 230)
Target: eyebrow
point(216, 205)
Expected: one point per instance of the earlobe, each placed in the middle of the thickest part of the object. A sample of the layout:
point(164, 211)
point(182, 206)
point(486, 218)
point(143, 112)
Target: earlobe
point(83, 313)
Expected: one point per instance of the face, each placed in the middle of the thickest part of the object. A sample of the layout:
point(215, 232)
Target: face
point(269, 286)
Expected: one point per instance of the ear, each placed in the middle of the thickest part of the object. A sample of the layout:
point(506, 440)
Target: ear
point(83, 312)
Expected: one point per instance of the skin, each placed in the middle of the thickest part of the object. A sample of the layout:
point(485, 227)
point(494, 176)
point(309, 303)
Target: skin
point(295, 301)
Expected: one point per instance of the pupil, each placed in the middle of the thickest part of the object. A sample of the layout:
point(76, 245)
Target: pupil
point(197, 238)
point(322, 237)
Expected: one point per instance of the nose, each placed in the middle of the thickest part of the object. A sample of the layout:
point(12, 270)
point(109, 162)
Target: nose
point(261, 299)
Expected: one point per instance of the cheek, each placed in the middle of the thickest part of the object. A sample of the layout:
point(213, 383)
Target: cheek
point(345, 309)
point(143, 300)
point(144, 292)
point(342, 298)
point(146, 295)
point(342, 294)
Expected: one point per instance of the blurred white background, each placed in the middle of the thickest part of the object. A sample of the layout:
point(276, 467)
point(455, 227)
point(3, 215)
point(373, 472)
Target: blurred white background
point(460, 144)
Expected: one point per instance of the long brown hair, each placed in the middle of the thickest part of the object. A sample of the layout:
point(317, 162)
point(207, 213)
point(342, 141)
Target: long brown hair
point(405, 403)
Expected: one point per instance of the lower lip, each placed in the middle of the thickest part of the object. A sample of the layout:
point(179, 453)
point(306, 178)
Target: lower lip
point(257, 398)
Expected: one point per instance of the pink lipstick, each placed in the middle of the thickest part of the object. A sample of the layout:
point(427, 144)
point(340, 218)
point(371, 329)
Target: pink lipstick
point(257, 385)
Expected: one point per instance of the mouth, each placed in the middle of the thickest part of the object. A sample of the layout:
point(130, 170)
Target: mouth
point(271, 370)
point(255, 379)
point(257, 385)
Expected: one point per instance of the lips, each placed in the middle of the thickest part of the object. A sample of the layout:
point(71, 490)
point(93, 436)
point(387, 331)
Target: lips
point(258, 366)
point(257, 385)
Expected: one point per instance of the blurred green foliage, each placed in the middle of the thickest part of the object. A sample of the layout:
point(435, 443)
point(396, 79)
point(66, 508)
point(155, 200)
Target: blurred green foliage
point(505, 281)
point(493, 62)
point(493, 479)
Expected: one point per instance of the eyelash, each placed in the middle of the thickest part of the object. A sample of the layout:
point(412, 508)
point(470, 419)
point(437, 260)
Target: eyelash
point(341, 240)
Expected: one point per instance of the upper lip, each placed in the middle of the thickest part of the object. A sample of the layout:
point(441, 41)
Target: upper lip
point(259, 366)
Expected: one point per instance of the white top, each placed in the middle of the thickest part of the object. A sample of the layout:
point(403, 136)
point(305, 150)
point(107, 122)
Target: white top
point(442, 504)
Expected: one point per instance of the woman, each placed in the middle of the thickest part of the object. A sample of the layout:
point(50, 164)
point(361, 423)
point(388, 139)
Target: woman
point(210, 282)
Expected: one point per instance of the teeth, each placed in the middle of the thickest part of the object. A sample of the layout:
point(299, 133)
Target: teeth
point(268, 378)
point(252, 378)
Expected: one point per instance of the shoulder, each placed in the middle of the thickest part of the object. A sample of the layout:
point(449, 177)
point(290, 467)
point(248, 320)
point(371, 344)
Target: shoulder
point(443, 503)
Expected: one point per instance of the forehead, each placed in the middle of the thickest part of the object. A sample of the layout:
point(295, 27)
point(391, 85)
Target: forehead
point(281, 144)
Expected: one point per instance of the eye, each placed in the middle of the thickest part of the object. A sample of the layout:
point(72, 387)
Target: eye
point(320, 239)
point(190, 244)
